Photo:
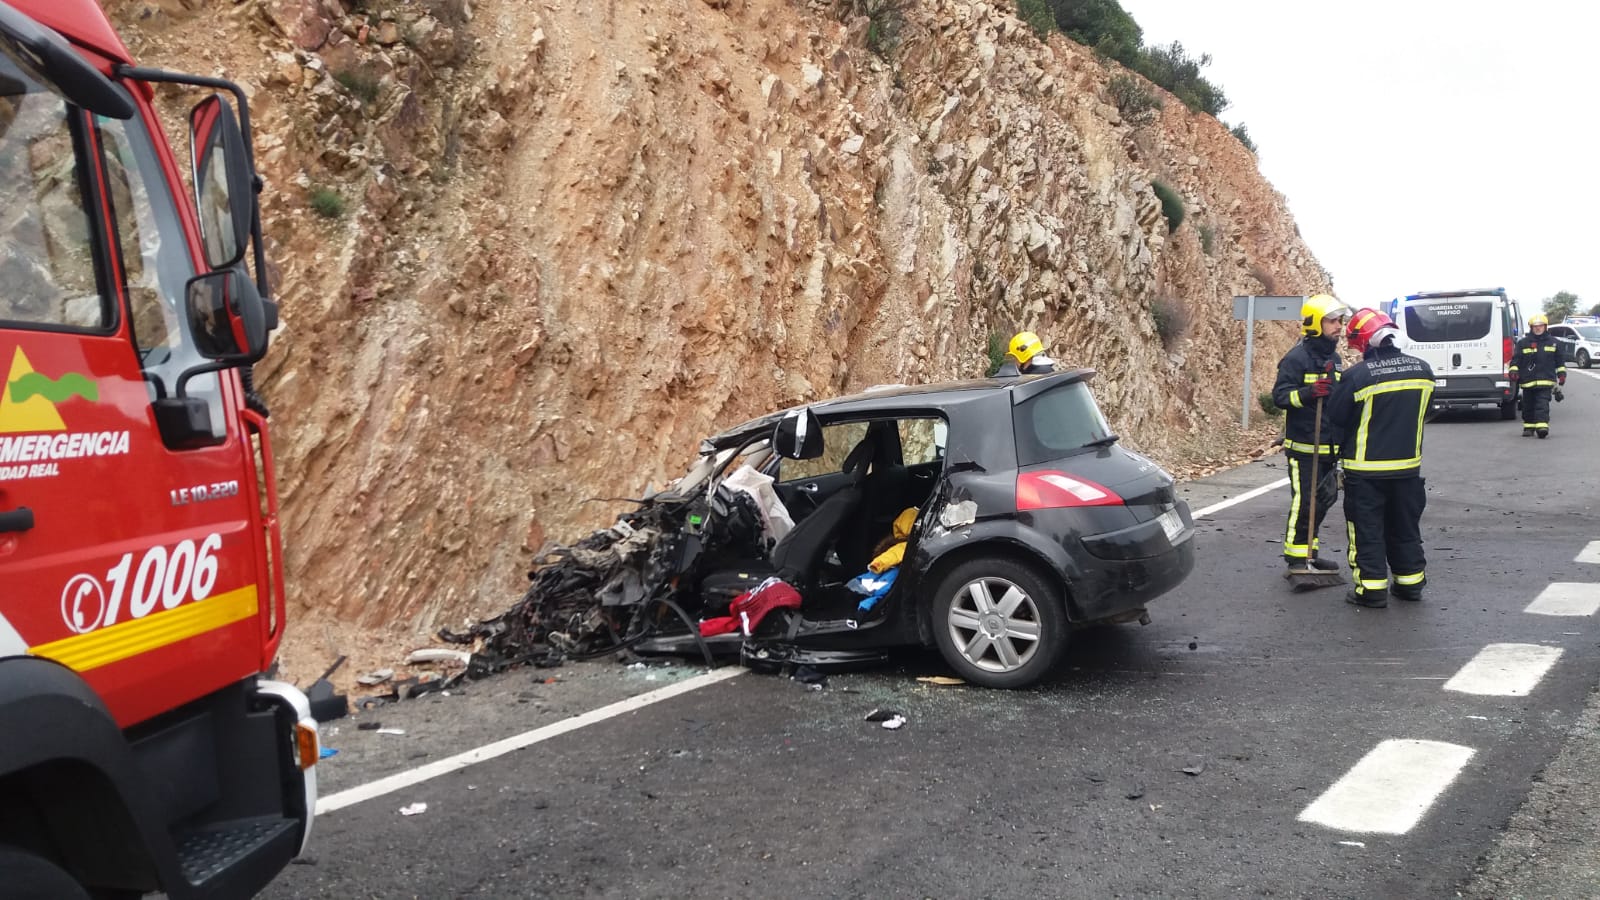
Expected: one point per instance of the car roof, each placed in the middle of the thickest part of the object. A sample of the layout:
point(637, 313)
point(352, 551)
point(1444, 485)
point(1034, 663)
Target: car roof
point(899, 397)
point(1457, 295)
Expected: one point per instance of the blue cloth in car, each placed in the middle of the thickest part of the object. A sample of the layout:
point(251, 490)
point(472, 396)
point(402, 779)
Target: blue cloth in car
point(874, 585)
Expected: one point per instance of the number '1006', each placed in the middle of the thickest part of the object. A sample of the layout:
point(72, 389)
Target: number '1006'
point(163, 577)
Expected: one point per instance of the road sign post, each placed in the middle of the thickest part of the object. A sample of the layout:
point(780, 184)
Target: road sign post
point(1250, 310)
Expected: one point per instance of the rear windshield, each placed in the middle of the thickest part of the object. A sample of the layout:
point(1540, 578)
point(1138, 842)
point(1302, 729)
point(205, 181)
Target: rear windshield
point(1057, 423)
point(1589, 332)
point(1467, 320)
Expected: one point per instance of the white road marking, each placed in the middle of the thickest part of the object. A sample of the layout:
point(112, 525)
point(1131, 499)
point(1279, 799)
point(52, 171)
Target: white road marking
point(1247, 495)
point(527, 739)
point(1566, 598)
point(1589, 554)
point(1584, 372)
point(1505, 670)
point(1391, 788)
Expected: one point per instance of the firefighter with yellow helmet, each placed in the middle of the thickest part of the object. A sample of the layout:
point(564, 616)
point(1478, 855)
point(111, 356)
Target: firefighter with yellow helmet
point(1308, 372)
point(1025, 356)
point(1536, 365)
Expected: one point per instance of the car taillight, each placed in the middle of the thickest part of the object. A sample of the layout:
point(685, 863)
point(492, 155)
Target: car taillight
point(1050, 489)
point(1506, 347)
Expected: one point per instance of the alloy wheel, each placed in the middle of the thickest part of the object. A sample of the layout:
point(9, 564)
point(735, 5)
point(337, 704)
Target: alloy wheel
point(994, 624)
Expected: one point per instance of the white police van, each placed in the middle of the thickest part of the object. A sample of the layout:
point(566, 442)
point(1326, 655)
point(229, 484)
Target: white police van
point(1466, 337)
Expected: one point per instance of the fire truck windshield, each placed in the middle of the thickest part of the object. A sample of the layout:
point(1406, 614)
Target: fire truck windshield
point(46, 257)
point(50, 245)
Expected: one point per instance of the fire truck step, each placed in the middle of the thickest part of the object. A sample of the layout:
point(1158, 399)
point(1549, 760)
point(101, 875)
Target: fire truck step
point(209, 851)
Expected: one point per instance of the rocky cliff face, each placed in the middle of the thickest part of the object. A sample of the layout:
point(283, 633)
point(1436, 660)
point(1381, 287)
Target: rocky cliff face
point(576, 236)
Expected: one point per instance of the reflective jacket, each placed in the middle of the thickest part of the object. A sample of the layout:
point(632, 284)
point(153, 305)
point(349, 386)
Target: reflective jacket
point(1377, 411)
point(1304, 363)
point(1537, 361)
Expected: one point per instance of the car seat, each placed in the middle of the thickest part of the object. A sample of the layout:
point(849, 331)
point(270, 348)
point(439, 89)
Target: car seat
point(795, 558)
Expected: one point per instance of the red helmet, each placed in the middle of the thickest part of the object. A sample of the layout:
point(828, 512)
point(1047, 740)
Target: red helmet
point(1368, 328)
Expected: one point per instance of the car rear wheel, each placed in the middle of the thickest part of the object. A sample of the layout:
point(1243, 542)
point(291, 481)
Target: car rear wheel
point(1583, 359)
point(998, 624)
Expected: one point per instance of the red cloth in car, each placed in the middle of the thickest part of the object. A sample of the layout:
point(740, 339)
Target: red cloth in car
point(750, 607)
point(718, 625)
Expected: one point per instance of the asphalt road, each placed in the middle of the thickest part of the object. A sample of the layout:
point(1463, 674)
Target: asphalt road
point(1179, 759)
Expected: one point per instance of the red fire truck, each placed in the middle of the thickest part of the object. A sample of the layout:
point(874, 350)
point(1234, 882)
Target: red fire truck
point(142, 747)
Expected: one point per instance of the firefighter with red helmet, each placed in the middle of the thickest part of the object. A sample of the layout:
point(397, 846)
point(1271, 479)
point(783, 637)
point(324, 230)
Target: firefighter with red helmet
point(1378, 410)
point(1536, 365)
point(1308, 371)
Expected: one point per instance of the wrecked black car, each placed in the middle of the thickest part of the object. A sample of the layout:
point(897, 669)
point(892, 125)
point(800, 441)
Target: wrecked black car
point(989, 518)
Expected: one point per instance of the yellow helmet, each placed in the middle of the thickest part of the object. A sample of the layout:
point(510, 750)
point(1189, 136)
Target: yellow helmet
point(1315, 309)
point(1537, 319)
point(1025, 346)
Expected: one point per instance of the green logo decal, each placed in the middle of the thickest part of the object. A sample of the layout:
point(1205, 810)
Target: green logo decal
point(55, 390)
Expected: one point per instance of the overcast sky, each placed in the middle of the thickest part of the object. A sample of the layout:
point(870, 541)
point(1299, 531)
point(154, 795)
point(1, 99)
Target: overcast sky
point(1422, 145)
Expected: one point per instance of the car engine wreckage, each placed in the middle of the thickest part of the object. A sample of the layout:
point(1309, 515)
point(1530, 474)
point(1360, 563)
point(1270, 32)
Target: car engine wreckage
point(644, 584)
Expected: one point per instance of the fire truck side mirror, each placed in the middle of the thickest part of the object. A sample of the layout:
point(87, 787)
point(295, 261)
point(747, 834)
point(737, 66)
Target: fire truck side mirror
point(224, 195)
point(227, 316)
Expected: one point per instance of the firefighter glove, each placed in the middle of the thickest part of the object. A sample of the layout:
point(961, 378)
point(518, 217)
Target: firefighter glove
point(1557, 393)
point(1561, 379)
point(1322, 387)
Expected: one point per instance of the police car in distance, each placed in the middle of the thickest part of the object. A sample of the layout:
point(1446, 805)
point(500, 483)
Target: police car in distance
point(1579, 337)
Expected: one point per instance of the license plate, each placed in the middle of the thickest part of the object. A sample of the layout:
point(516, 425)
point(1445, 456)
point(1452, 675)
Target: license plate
point(1171, 523)
point(1438, 382)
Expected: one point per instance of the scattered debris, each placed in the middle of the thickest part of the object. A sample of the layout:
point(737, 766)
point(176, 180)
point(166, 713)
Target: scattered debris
point(1361, 844)
point(327, 752)
point(373, 679)
point(1195, 769)
point(894, 722)
point(326, 704)
point(1135, 792)
point(390, 730)
point(414, 809)
point(438, 654)
point(941, 680)
point(882, 715)
point(810, 675)
point(370, 726)
point(1194, 645)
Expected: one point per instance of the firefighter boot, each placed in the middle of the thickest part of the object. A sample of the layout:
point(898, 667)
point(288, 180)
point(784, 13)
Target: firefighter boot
point(1527, 431)
point(1370, 599)
point(1410, 592)
point(1544, 433)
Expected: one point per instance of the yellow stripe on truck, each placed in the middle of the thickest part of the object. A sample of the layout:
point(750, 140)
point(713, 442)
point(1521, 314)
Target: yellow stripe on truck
point(85, 652)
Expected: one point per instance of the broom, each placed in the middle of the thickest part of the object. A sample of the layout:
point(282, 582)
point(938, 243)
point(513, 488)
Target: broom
point(1310, 577)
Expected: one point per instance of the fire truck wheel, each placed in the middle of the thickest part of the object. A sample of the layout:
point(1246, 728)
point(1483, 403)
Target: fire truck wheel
point(30, 877)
